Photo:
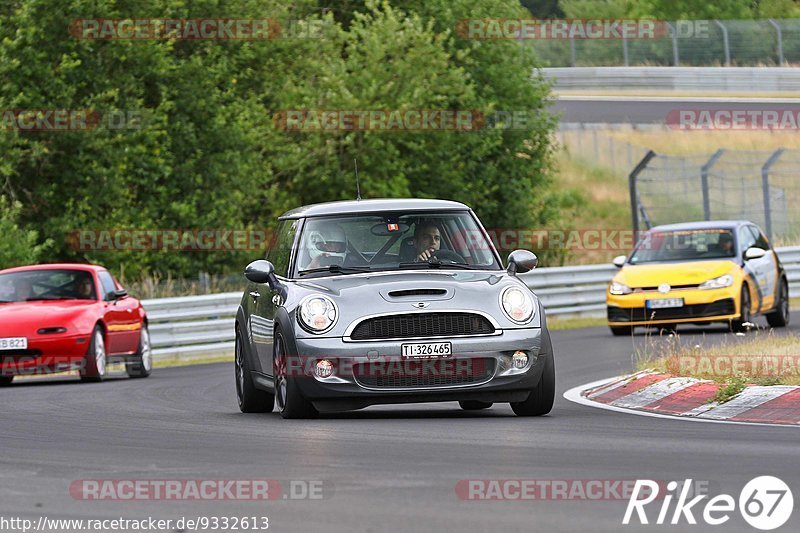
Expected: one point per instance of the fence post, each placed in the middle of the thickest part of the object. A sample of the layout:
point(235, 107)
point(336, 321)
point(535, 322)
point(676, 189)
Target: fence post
point(781, 59)
point(632, 188)
point(725, 43)
point(704, 182)
point(765, 188)
point(674, 32)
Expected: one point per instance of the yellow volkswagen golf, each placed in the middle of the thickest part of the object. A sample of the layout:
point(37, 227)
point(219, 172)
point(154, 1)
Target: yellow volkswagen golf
point(698, 273)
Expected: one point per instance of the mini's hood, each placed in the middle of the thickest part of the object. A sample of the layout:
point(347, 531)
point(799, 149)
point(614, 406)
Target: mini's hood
point(359, 295)
point(25, 318)
point(687, 273)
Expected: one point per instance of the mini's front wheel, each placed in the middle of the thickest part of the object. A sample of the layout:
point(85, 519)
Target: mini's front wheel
point(291, 402)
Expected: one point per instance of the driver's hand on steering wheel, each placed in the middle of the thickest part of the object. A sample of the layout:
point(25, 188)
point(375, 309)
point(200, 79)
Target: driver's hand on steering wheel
point(425, 255)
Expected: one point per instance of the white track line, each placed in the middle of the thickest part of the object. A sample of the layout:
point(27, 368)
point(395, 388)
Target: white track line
point(653, 393)
point(574, 395)
point(749, 398)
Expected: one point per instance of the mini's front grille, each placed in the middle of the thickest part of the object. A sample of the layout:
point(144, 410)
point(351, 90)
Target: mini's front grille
point(409, 374)
point(640, 314)
point(422, 325)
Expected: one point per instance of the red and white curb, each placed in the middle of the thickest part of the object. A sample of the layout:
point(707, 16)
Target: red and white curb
point(655, 394)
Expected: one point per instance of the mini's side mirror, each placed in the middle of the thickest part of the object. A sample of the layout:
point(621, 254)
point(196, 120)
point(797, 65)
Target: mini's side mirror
point(618, 261)
point(521, 261)
point(260, 272)
point(754, 253)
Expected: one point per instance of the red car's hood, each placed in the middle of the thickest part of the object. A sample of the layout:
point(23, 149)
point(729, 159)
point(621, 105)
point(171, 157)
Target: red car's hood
point(24, 318)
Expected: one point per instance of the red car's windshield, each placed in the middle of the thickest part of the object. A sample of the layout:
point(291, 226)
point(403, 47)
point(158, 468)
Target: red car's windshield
point(30, 285)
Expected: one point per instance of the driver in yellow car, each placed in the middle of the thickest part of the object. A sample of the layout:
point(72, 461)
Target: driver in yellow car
point(427, 239)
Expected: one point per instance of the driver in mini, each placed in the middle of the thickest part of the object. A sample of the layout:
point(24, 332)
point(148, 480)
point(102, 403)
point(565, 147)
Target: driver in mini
point(427, 239)
point(327, 245)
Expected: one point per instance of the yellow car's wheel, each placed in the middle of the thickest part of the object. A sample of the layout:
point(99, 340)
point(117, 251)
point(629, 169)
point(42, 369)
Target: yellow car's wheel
point(780, 317)
point(738, 325)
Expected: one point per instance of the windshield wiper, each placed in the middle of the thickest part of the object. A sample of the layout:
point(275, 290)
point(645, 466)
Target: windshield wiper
point(38, 298)
point(435, 263)
point(336, 269)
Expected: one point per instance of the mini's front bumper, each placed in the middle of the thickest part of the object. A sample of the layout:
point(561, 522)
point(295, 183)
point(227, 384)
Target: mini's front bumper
point(374, 372)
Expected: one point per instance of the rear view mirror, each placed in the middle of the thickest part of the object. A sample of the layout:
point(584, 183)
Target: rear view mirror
point(521, 261)
point(618, 261)
point(754, 253)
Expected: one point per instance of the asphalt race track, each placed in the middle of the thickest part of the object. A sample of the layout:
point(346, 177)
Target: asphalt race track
point(385, 468)
point(653, 110)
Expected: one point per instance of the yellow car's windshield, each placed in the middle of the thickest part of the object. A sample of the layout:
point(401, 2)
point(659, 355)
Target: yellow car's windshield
point(685, 245)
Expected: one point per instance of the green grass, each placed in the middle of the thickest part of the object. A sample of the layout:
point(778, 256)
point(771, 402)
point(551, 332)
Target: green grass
point(759, 358)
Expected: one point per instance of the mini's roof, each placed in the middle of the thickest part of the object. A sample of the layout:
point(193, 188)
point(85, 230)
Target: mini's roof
point(55, 266)
point(373, 206)
point(703, 224)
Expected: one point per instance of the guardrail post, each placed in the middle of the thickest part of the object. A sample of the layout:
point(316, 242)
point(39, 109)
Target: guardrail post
point(674, 31)
point(572, 55)
point(704, 182)
point(632, 188)
point(725, 43)
point(765, 188)
point(781, 59)
point(625, 48)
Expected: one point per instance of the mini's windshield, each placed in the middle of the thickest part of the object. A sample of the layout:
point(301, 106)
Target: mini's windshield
point(686, 245)
point(351, 244)
point(54, 284)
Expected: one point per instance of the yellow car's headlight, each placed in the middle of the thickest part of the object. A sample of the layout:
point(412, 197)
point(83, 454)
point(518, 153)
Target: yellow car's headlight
point(618, 288)
point(717, 283)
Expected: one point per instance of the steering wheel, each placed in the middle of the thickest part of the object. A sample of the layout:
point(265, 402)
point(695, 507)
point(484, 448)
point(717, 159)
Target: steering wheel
point(448, 255)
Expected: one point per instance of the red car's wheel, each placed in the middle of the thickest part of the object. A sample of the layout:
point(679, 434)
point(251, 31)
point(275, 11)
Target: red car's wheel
point(142, 362)
point(6, 380)
point(94, 364)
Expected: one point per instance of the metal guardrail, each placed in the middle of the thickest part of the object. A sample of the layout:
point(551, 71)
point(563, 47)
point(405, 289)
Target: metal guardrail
point(705, 79)
point(203, 325)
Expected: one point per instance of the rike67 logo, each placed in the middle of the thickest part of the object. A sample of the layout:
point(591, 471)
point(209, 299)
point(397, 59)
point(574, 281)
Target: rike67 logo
point(765, 502)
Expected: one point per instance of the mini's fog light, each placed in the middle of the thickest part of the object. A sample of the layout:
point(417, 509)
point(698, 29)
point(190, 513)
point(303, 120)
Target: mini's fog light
point(520, 359)
point(324, 369)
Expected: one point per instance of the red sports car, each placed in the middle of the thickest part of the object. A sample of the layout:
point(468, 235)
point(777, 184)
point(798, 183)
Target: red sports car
point(68, 316)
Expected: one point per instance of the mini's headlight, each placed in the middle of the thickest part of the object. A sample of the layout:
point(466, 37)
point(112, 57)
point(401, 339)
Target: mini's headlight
point(317, 313)
point(718, 283)
point(517, 305)
point(618, 288)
